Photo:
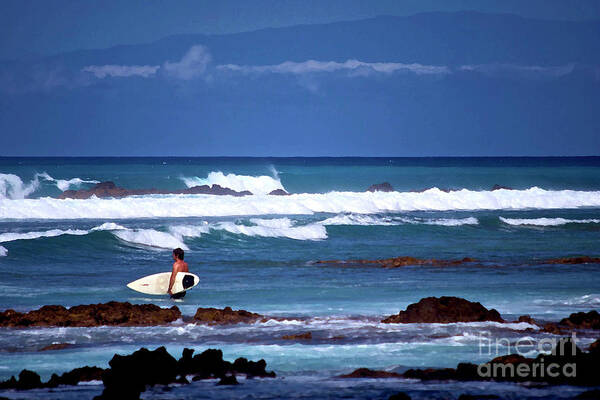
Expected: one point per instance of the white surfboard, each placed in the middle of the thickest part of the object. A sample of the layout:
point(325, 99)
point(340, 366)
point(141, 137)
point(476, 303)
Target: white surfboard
point(159, 283)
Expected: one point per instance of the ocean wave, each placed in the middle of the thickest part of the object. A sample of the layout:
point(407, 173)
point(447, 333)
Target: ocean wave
point(373, 220)
point(10, 236)
point(588, 300)
point(256, 184)
point(13, 187)
point(159, 206)
point(150, 238)
point(547, 221)
point(277, 227)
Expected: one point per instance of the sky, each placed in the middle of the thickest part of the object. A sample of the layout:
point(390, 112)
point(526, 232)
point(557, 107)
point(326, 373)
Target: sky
point(300, 78)
point(32, 27)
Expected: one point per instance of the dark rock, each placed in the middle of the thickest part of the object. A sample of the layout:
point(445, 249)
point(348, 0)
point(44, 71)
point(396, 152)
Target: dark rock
point(129, 375)
point(299, 336)
point(109, 189)
point(29, 380)
point(478, 397)
point(215, 316)
point(574, 260)
point(370, 373)
point(403, 261)
point(567, 365)
point(498, 187)
point(582, 320)
point(112, 313)
point(526, 319)
point(444, 310)
point(595, 347)
point(252, 368)
point(381, 187)
point(56, 346)
point(84, 374)
point(279, 192)
point(228, 380)
point(589, 395)
point(399, 396)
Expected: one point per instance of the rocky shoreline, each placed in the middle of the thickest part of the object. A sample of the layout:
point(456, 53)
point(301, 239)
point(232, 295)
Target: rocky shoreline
point(406, 261)
point(129, 375)
point(158, 367)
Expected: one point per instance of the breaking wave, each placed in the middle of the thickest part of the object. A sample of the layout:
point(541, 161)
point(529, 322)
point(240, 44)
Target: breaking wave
point(369, 220)
point(3, 251)
point(547, 221)
point(256, 184)
point(13, 187)
point(175, 235)
point(296, 204)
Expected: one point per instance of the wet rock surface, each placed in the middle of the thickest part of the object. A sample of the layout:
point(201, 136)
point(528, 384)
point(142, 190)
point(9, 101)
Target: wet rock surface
point(397, 262)
point(444, 310)
point(299, 336)
point(576, 321)
point(112, 313)
point(279, 192)
point(31, 380)
point(573, 260)
point(566, 365)
point(109, 189)
point(216, 316)
point(381, 187)
point(370, 373)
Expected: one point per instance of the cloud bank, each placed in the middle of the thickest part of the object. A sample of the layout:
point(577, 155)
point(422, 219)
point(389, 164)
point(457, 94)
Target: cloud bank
point(121, 71)
point(356, 67)
point(192, 65)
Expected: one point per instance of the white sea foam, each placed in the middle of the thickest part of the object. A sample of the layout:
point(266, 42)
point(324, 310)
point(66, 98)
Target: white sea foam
point(547, 221)
point(108, 226)
point(10, 236)
point(359, 219)
point(12, 186)
point(278, 227)
point(588, 300)
point(256, 184)
point(369, 220)
point(150, 238)
point(306, 203)
point(3, 251)
point(192, 231)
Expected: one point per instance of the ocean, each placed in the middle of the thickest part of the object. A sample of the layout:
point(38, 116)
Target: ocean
point(258, 253)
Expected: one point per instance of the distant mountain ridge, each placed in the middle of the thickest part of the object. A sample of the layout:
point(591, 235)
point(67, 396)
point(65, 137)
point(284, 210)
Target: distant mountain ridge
point(462, 83)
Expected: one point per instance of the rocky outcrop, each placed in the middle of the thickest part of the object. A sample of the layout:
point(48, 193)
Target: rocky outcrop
point(566, 365)
point(575, 321)
point(398, 262)
point(444, 310)
point(299, 336)
point(573, 260)
point(225, 316)
point(109, 189)
point(279, 192)
point(381, 187)
point(31, 380)
point(112, 313)
point(129, 375)
point(56, 346)
point(370, 373)
point(499, 187)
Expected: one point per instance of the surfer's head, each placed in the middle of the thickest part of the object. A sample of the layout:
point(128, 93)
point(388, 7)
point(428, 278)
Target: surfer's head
point(178, 253)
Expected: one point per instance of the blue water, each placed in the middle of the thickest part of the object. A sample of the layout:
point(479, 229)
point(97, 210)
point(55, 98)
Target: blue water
point(258, 252)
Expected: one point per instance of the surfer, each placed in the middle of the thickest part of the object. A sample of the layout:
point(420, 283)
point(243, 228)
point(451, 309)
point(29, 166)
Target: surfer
point(178, 266)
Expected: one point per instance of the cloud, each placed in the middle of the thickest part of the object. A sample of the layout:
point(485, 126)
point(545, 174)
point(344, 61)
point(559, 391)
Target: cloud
point(121, 71)
point(353, 67)
point(192, 65)
point(519, 71)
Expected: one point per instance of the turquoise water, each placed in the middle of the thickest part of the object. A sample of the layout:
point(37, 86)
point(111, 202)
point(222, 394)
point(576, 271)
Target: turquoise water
point(258, 252)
